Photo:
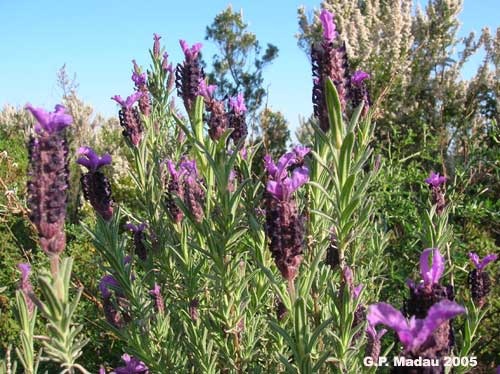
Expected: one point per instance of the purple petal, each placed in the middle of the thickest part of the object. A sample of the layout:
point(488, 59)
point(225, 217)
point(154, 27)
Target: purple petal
point(104, 160)
point(106, 281)
point(139, 79)
point(386, 314)
point(50, 121)
point(132, 99)
point(326, 19)
point(437, 314)
point(275, 189)
point(119, 100)
point(474, 258)
point(156, 290)
point(205, 90)
point(300, 176)
point(270, 166)
point(487, 260)
point(284, 162)
point(190, 53)
point(172, 169)
point(357, 290)
point(435, 179)
point(411, 284)
point(102, 370)
point(25, 271)
point(92, 161)
point(237, 104)
point(431, 275)
point(301, 152)
point(359, 76)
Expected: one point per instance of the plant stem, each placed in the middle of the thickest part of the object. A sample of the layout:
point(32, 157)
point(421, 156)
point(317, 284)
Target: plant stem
point(54, 264)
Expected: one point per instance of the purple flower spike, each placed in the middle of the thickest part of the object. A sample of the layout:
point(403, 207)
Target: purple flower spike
point(132, 366)
point(415, 332)
point(284, 224)
point(92, 161)
point(237, 104)
point(188, 75)
point(435, 180)
point(95, 185)
point(479, 280)
point(51, 121)
point(359, 76)
point(102, 370)
point(480, 265)
point(48, 177)
point(127, 103)
point(329, 27)
point(129, 117)
point(431, 275)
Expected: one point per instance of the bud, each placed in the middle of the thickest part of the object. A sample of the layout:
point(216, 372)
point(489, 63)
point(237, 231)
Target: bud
point(138, 235)
point(25, 286)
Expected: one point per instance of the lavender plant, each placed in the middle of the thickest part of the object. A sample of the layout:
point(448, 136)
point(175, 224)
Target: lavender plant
point(216, 270)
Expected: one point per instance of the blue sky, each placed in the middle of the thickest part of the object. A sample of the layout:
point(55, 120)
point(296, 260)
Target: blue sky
point(97, 39)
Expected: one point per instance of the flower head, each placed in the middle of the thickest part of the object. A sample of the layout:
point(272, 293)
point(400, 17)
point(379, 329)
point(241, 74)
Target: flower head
point(91, 160)
point(415, 332)
point(50, 121)
point(480, 265)
point(329, 27)
point(435, 180)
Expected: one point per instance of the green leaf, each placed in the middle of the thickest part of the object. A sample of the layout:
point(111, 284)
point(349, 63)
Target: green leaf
point(334, 113)
point(345, 157)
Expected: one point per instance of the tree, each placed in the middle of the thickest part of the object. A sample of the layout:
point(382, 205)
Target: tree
point(238, 65)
